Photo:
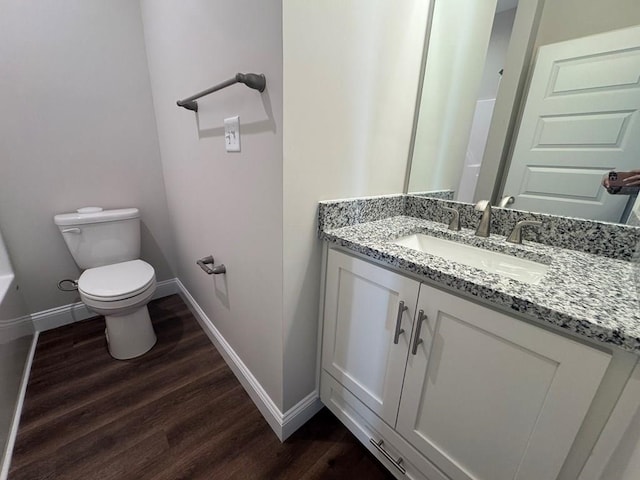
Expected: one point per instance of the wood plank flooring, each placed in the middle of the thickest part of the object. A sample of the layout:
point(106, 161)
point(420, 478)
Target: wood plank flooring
point(177, 412)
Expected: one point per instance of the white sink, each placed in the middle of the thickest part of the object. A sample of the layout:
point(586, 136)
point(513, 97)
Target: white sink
point(516, 268)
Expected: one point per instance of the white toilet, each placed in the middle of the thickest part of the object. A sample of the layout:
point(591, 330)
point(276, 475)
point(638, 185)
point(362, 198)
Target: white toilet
point(115, 282)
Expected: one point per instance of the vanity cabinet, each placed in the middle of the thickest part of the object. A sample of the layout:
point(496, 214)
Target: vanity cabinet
point(464, 392)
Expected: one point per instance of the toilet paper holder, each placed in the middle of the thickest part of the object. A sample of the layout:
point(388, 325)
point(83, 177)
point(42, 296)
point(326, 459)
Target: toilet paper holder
point(204, 263)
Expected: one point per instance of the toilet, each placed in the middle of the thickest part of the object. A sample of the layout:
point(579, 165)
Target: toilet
point(115, 283)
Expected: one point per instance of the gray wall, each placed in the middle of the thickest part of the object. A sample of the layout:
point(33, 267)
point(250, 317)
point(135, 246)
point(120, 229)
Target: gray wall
point(77, 129)
point(346, 133)
point(225, 204)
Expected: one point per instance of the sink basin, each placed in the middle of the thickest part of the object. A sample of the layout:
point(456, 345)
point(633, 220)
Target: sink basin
point(516, 268)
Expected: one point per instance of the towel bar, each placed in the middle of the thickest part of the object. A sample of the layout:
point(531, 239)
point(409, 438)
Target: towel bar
point(257, 81)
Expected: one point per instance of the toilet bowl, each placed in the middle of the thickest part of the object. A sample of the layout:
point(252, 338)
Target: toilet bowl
point(120, 292)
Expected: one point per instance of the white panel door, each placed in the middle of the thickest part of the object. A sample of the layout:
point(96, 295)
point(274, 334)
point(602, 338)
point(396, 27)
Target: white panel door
point(361, 349)
point(579, 122)
point(490, 397)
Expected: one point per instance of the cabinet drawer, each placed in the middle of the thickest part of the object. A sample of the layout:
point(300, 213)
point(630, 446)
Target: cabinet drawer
point(368, 427)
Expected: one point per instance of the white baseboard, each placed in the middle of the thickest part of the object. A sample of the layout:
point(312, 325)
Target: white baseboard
point(166, 288)
point(283, 424)
point(75, 312)
point(59, 316)
point(16, 328)
point(299, 414)
point(15, 422)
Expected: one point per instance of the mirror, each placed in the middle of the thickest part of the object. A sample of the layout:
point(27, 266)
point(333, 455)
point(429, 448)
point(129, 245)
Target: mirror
point(531, 100)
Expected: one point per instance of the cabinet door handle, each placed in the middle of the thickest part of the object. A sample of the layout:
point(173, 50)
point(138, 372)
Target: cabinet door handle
point(417, 340)
point(401, 309)
point(396, 463)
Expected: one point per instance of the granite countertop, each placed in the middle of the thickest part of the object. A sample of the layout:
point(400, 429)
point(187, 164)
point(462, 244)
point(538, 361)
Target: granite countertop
point(590, 295)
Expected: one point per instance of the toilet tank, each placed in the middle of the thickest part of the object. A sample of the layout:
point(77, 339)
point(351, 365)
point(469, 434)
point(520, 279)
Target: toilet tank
point(97, 237)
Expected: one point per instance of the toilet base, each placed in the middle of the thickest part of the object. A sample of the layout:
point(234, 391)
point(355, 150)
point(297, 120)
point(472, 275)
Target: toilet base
point(131, 335)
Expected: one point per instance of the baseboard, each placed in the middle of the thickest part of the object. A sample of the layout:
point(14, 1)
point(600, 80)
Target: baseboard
point(59, 316)
point(15, 422)
point(300, 413)
point(166, 288)
point(283, 424)
point(16, 328)
point(75, 312)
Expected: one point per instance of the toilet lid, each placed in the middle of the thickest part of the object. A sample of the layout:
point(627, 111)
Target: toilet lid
point(117, 281)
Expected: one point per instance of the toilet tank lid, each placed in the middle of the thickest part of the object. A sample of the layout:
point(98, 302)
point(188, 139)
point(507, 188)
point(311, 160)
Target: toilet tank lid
point(77, 218)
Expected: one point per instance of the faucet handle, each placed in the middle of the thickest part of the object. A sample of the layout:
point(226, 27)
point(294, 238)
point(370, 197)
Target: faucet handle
point(482, 205)
point(454, 224)
point(504, 201)
point(516, 233)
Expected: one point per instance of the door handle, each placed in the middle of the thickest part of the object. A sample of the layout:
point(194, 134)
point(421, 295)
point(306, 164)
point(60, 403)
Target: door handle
point(417, 340)
point(71, 230)
point(401, 309)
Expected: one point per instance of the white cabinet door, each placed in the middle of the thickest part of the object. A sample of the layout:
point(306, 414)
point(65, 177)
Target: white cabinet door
point(489, 397)
point(361, 347)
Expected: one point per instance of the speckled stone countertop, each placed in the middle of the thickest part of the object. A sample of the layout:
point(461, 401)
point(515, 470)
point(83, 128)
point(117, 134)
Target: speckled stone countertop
point(590, 295)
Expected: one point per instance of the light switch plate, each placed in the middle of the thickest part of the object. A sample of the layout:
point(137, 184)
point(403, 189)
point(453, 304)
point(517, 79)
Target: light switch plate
point(232, 134)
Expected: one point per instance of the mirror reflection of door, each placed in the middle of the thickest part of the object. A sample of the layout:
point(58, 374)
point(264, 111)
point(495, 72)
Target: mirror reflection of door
point(452, 111)
point(579, 122)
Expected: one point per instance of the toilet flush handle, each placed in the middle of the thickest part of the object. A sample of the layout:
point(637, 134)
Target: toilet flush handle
point(71, 230)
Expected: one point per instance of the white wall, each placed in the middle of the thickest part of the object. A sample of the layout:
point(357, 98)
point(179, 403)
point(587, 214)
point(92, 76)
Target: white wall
point(77, 129)
point(350, 80)
point(567, 19)
point(496, 53)
point(225, 204)
point(494, 62)
point(456, 56)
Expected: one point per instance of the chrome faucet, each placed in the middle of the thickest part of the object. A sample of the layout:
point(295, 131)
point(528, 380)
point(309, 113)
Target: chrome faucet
point(505, 201)
point(454, 224)
point(484, 228)
point(516, 233)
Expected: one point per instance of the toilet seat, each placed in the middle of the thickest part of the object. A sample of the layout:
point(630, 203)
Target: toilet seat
point(119, 281)
point(118, 307)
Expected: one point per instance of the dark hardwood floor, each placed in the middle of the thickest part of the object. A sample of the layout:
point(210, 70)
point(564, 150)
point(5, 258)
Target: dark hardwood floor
point(177, 412)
